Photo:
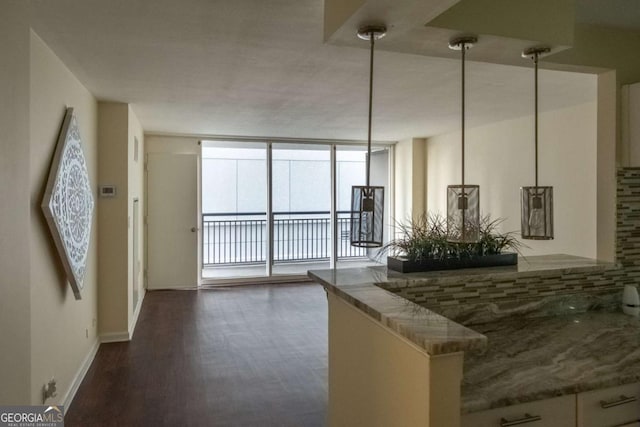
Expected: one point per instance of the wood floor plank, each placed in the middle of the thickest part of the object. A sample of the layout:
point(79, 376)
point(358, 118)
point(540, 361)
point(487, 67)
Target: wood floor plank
point(243, 356)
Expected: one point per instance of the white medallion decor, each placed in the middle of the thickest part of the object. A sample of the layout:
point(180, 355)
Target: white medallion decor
point(68, 202)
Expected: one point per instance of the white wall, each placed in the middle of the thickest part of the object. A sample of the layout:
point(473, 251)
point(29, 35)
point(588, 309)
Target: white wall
point(15, 318)
point(63, 330)
point(500, 158)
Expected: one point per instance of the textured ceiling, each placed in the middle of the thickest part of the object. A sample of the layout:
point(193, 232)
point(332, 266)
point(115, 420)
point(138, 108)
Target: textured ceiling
point(260, 68)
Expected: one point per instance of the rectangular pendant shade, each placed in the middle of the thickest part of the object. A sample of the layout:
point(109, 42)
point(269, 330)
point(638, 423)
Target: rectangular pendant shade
point(536, 214)
point(367, 216)
point(463, 213)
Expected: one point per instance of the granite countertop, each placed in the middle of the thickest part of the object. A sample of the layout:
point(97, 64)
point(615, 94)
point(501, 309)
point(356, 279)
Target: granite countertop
point(547, 347)
point(435, 333)
point(532, 358)
point(514, 352)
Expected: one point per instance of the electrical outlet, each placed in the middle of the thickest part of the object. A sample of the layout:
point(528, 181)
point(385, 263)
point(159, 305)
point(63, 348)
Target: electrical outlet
point(86, 332)
point(49, 389)
point(95, 322)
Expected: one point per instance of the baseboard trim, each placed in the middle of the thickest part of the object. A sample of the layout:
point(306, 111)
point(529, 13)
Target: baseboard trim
point(136, 314)
point(114, 337)
point(79, 377)
point(88, 360)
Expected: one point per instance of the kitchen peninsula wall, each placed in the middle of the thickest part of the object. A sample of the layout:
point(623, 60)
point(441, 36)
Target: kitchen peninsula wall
point(495, 287)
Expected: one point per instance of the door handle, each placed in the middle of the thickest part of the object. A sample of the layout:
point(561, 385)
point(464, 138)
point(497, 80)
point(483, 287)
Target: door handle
point(525, 420)
point(194, 229)
point(617, 402)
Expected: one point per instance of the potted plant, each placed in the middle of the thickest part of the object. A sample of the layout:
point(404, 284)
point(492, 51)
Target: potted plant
point(423, 245)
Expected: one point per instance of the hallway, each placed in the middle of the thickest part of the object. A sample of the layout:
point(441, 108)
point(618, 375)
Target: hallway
point(244, 356)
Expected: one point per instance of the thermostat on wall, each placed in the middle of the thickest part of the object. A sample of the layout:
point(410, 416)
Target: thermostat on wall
point(107, 190)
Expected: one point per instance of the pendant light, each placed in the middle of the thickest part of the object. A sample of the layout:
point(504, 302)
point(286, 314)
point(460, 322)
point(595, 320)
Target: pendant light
point(536, 202)
point(463, 201)
point(367, 202)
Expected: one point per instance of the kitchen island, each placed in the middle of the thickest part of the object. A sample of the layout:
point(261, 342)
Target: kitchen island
point(549, 328)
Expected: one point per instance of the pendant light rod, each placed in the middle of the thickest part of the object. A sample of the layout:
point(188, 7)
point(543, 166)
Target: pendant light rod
point(534, 53)
point(372, 45)
point(371, 33)
point(463, 43)
point(535, 61)
point(463, 51)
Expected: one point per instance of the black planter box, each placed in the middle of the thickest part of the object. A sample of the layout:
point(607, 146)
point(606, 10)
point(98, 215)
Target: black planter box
point(403, 265)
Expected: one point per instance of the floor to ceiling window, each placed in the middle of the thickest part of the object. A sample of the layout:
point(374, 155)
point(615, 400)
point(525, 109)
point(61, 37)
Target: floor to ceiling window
point(267, 208)
point(301, 207)
point(234, 209)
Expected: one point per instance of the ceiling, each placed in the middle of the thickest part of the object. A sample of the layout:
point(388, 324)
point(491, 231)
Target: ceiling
point(260, 68)
point(620, 14)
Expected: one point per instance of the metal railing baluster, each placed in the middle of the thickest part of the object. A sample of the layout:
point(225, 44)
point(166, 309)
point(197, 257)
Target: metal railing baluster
point(229, 239)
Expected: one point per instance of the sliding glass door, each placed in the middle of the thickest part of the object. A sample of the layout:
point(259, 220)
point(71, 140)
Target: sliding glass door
point(234, 210)
point(301, 207)
point(273, 209)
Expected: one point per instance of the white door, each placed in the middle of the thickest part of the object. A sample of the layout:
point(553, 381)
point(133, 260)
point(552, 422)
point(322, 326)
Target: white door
point(172, 220)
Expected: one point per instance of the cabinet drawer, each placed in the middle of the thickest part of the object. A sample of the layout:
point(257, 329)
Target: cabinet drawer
point(556, 412)
point(609, 407)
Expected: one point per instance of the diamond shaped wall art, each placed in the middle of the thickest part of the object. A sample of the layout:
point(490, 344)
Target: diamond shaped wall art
point(68, 203)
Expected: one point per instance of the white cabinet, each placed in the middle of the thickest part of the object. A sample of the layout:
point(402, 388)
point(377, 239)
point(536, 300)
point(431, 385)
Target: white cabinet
point(617, 406)
point(556, 412)
point(610, 407)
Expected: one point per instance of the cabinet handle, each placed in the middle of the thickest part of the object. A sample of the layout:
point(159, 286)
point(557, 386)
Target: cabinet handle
point(623, 399)
point(526, 419)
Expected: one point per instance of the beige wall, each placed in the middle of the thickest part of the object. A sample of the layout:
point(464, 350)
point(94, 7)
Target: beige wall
point(378, 378)
point(118, 127)
point(410, 178)
point(171, 144)
point(63, 330)
point(15, 299)
point(604, 48)
point(520, 19)
point(500, 158)
point(136, 191)
point(630, 120)
point(113, 135)
point(606, 166)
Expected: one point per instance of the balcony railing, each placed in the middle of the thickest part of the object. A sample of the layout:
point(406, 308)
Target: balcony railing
point(241, 237)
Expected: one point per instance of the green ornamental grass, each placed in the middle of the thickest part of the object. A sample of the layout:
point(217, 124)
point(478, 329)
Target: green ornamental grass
point(425, 238)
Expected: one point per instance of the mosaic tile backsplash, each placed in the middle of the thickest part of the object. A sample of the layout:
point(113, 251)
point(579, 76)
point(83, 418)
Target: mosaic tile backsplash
point(479, 289)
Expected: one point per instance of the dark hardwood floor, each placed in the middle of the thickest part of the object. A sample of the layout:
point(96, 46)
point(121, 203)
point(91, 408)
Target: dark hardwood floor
point(243, 356)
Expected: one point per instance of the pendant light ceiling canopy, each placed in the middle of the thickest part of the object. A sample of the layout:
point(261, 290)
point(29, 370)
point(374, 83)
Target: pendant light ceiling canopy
point(536, 213)
point(367, 202)
point(463, 201)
